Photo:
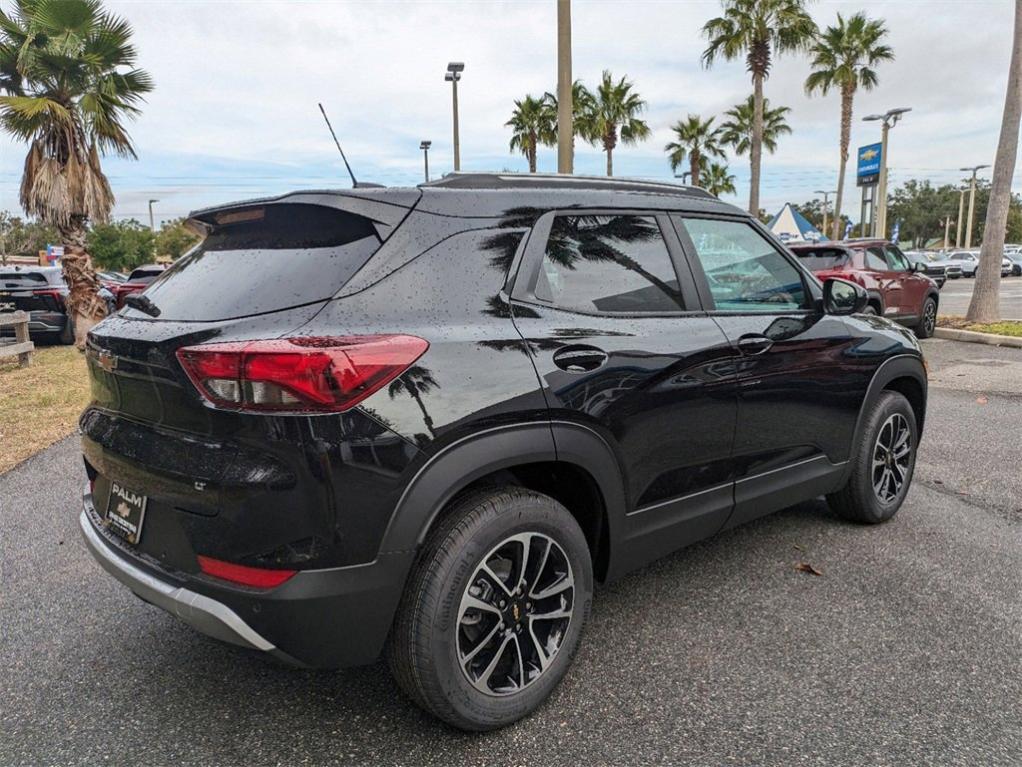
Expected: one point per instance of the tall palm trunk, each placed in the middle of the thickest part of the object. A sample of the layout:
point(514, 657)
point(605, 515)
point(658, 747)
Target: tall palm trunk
point(756, 151)
point(847, 92)
point(986, 296)
point(694, 161)
point(84, 306)
point(533, 140)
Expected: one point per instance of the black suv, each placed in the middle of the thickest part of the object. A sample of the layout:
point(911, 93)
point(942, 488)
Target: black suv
point(40, 291)
point(424, 422)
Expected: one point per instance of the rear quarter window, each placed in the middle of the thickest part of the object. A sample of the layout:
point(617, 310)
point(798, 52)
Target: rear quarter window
point(291, 254)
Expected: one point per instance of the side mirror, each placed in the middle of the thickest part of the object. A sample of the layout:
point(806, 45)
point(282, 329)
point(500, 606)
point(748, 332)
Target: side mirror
point(841, 297)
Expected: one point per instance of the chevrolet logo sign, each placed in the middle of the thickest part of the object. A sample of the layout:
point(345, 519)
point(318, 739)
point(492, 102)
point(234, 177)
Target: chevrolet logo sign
point(107, 361)
point(869, 154)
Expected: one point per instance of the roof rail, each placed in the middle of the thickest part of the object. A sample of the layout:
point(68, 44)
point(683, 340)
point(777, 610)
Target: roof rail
point(462, 180)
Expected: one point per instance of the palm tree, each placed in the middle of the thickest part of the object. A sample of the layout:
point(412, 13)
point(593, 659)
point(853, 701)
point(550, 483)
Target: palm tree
point(843, 59)
point(719, 181)
point(68, 88)
point(415, 382)
point(531, 127)
point(582, 102)
point(696, 139)
point(985, 303)
point(737, 131)
point(757, 30)
point(613, 116)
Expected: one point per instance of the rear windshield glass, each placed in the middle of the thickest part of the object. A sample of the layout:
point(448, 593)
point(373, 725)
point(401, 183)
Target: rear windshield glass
point(32, 279)
point(290, 255)
point(816, 259)
point(140, 274)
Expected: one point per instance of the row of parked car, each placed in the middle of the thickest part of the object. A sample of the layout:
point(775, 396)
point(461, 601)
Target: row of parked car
point(41, 291)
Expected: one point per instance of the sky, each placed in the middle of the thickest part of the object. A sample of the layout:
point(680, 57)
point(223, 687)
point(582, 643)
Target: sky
point(234, 113)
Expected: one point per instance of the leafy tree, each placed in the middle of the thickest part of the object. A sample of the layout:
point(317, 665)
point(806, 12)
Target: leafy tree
point(23, 238)
point(813, 212)
point(69, 84)
point(614, 116)
point(844, 57)
point(737, 131)
point(695, 138)
point(757, 30)
point(719, 181)
point(175, 239)
point(121, 246)
point(531, 126)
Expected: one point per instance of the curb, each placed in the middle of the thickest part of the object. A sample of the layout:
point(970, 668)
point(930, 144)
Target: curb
point(971, 336)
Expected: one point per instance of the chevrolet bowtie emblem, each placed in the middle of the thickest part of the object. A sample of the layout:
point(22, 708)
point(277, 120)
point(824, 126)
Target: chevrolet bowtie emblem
point(107, 361)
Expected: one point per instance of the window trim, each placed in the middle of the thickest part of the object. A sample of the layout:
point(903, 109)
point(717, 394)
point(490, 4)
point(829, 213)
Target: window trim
point(811, 286)
point(523, 289)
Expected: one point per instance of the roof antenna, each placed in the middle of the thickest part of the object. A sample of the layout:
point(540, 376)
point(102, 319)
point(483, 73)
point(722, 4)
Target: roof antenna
point(354, 183)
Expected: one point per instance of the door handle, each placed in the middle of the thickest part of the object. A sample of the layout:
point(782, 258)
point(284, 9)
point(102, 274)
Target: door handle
point(753, 344)
point(579, 359)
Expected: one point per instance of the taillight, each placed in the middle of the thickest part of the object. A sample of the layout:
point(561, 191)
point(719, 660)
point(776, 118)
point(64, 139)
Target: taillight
point(298, 375)
point(55, 293)
point(257, 577)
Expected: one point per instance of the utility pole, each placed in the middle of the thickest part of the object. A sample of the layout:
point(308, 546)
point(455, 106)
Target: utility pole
point(890, 119)
point(454, 70)
point(565, 107)
point(961, 213)
point(972, 202)
point(947, 228)
point(826, 205)
point(424, 146)
point(152, 225)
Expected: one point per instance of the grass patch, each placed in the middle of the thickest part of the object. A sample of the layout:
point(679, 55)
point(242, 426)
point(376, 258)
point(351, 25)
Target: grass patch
point(40, 404)
point(994, 328)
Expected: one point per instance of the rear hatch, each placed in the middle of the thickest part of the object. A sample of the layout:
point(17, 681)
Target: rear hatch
point(29, 291)
point(262, 271)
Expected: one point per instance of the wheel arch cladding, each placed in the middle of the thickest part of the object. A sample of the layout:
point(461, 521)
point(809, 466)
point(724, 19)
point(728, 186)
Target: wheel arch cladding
point(904, 374)
point(583, 476)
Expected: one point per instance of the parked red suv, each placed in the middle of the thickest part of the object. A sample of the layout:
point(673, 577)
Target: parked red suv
point(897, 288)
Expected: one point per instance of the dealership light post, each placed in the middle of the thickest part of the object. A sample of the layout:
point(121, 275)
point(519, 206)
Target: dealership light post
point(152, 225)
point(826, 204)
point(972, 202)
point(424, 146)
point(890, 119)
point(961, 214)
point(454, 70)
point(683, 176)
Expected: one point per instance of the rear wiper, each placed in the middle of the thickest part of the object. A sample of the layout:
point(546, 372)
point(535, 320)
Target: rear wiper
point(142, 303)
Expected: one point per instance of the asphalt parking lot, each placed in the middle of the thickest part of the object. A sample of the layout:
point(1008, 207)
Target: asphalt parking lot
point(906, 651)
point(956, 294)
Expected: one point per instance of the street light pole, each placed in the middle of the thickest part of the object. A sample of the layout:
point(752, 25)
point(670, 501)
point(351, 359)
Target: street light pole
point(565, 108)
point(424, 146)
point(683, 176)
point(454, 70)
point(826, 205)
point(947, 228)
point(152, 224)
point(961, 214)
point(890, 119)
point(972, 202)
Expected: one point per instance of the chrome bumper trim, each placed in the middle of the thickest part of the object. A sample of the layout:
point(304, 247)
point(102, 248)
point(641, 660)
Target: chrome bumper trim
point(200, 612)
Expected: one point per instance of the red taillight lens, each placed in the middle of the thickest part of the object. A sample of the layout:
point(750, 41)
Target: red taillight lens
point(55, 293)
point(298, 375)
point(256, 577)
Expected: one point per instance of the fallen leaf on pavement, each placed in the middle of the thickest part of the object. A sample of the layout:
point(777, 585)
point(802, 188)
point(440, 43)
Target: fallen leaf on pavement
point(805, 567)
point(981, 400)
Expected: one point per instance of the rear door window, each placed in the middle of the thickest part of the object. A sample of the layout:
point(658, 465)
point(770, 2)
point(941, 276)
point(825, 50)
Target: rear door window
point(265, 260)
point(745, 272)
point(818, 259)
point(608, 263)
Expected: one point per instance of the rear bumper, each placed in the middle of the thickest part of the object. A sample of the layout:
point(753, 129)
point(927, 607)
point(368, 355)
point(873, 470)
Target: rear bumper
point(42, 322)
point(325, 618)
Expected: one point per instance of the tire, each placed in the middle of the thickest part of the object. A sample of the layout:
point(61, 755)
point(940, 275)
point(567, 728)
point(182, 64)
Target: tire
point(870, 310)
point(67, 334)
point(431, 653)
point(859, 500)
point(928, 319)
